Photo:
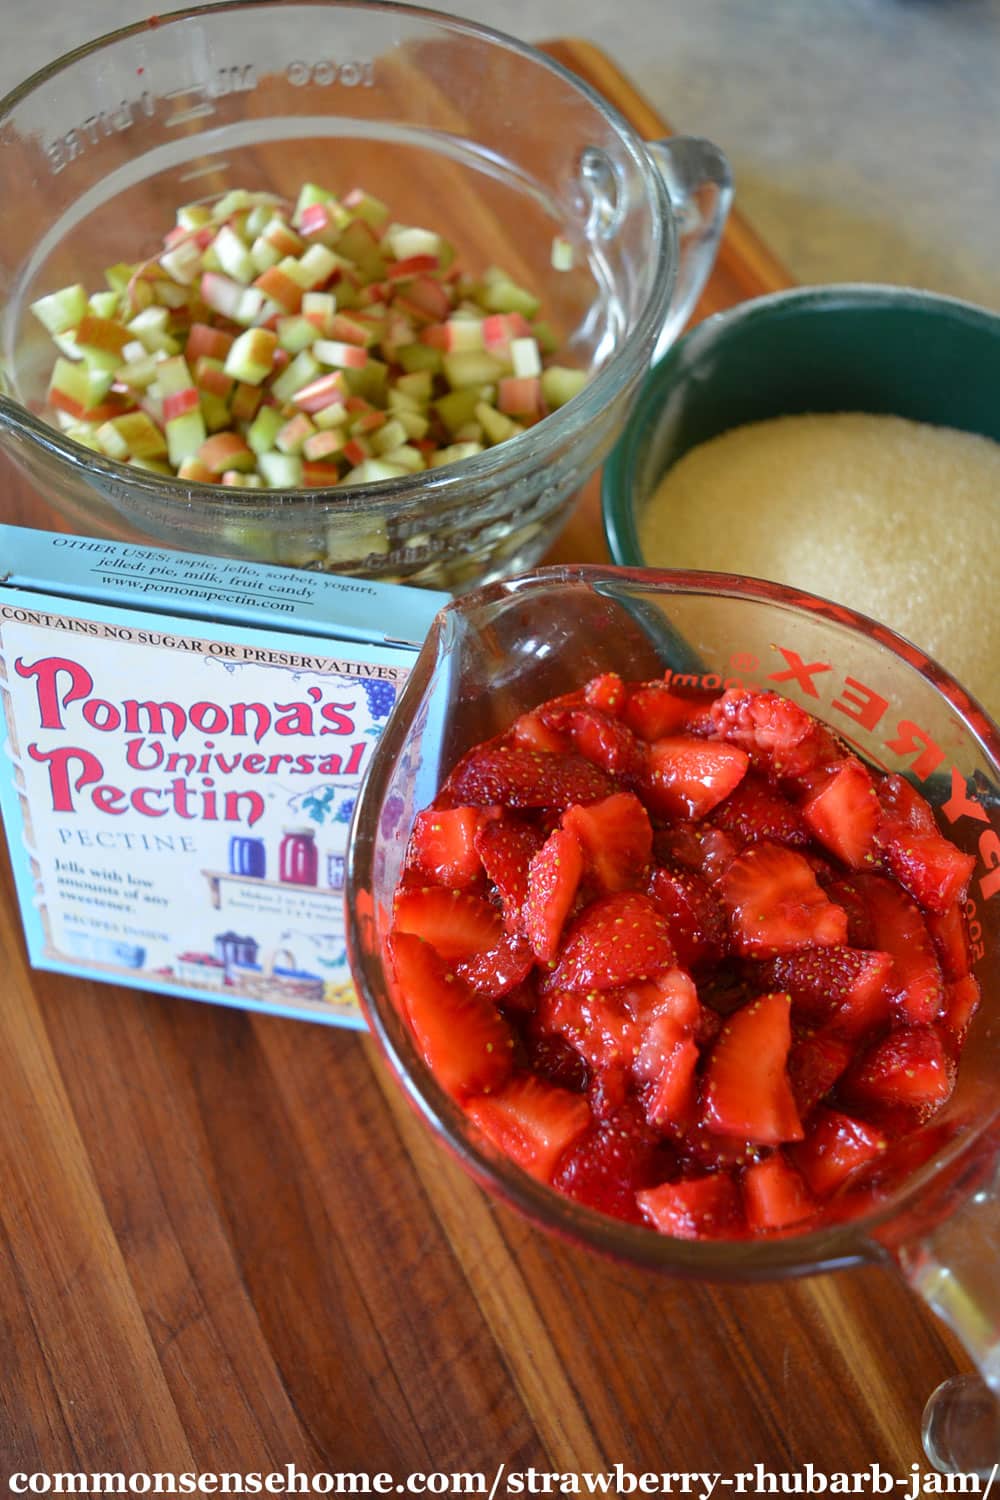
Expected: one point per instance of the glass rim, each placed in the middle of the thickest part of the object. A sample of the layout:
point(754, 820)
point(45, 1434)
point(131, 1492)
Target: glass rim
point(387, 496)
point(836, 1246)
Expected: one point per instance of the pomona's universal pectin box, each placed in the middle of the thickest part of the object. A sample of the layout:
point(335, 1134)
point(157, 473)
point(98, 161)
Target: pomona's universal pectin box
point(185, 740)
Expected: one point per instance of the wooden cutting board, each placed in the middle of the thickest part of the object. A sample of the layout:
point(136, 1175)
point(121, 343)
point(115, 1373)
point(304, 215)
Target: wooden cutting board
point(227, 1244)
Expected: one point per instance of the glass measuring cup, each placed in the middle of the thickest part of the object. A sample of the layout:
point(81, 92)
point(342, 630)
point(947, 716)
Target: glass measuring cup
point(458, 128)
point(502, 650)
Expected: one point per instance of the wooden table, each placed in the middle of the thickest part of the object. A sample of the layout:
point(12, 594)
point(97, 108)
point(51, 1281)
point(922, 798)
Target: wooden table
point(226, 1244)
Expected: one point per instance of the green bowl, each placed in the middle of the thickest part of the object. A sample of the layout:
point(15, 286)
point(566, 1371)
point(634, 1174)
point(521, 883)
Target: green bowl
point(879, 349)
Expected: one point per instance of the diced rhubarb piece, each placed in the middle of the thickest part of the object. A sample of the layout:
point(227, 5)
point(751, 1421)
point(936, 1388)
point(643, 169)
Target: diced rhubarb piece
point(280, 471)
point(279, 287)
point(756, 810)
point(698, 1208)
point(206, 342)
point(210, 375)
point(834, 1148)
point(616, 838)
point(140, 436)
point(221, 294)
point(340, 355)
point(747, 1093)
point(688, 776)
point(666, 1062)
point(553, 878)
point(517, 397)
point(912, 1068)
point(695, 917)
point(227, 450)
point(615, 940)
point(462, 1038)
point(611, 1162)
point(899, 929)
point(328, 390)
point(775, 904)
point(61, 310)
point(506, 848)
point(560, 384)
point(532, 1122)
point(455, 923)
point(516, 777)
point(846, 990)
point(926, 864)
point(774, 1195)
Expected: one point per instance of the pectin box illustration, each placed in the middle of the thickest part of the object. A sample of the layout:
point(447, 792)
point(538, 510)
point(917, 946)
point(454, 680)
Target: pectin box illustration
point(185, 740)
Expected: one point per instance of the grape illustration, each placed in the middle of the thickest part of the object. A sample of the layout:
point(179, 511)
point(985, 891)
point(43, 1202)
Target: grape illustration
point(381, 696)
point(345, 811)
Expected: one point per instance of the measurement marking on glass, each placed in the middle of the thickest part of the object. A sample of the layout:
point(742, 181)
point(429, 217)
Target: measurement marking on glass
point(189, 88)
point(196, 112)
point(210, 166)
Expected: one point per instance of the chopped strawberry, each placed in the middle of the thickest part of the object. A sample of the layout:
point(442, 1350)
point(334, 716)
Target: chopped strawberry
point(506, 846)
point(653, 711)
point(614, 941)
point(935, 873)
point(845, 893)
point(608, 693)
point(602, 1030)
point(835, 1147)
point(902, 803)
point(497, 971)
point(775, 904)
point(553, 877)
point(442, 846)
point(781, 738)
point(611, 1162)
point(512, 776)
point(814, 1065)
point(704, 1152)
point(845, 990)
point(747, 1093)
point(961, 1001)
point(774, 1195)
point(699, 1208)
point(900, 930)
point(672, 993)
point(617, 839)
point(455, 923)
point(531, 732)
point(531, 1121)
point(844, 813)
point(756, 810)
point(463, 1040)
point(598, 737)
point(912, 1068)
point(666, 1063)
point(687, 777)
point(951, 941)
point(552, 1058)
point(695, 917)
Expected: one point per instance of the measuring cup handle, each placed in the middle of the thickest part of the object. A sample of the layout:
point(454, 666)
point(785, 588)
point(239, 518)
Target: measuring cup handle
point(955, 1268)
point(700, 185)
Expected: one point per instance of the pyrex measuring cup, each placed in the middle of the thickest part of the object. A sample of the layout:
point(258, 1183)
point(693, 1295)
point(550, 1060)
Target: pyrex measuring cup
point(457, 128)
point(931, 1207)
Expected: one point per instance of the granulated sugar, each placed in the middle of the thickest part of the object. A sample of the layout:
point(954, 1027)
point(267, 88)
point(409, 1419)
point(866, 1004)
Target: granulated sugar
point(898, 519)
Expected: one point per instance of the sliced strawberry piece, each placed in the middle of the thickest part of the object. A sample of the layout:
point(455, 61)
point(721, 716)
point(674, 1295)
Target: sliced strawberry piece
point(553, 877)
point(608, 693)
point(834, 1148)
point(456, 924)
point(814, 1065)
point(443, 846)
point(844, 813)
point(900, 930)
point(950, 936)
point(775, 905)
point(552, 1058)
point(781, 738)
point(672, 994)
point(617, 839)
point(774, 1195)
point(463, 1040)
point(912, 1068)
point(531, 732)
point(531, 1121)
point(687, 777)
point(511, 776)
point(695, 916)
point(705, 1152)
point(653, 711)
point(497, 971)
point(700, 1208)
point(698, 847)
point(902, 803)
point(614, 941)
point(603, 1031)
point(598, 737)
point(845, 990)
point(506, 846)
point(927, 865)
point(846, 894)
point(746, 1092)
point(961, 1001)
point(756, 810)
point(611, 1162)
point(666, 1063)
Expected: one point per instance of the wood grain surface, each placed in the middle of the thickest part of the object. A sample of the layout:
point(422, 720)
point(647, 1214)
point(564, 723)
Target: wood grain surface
point(226, 1244)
